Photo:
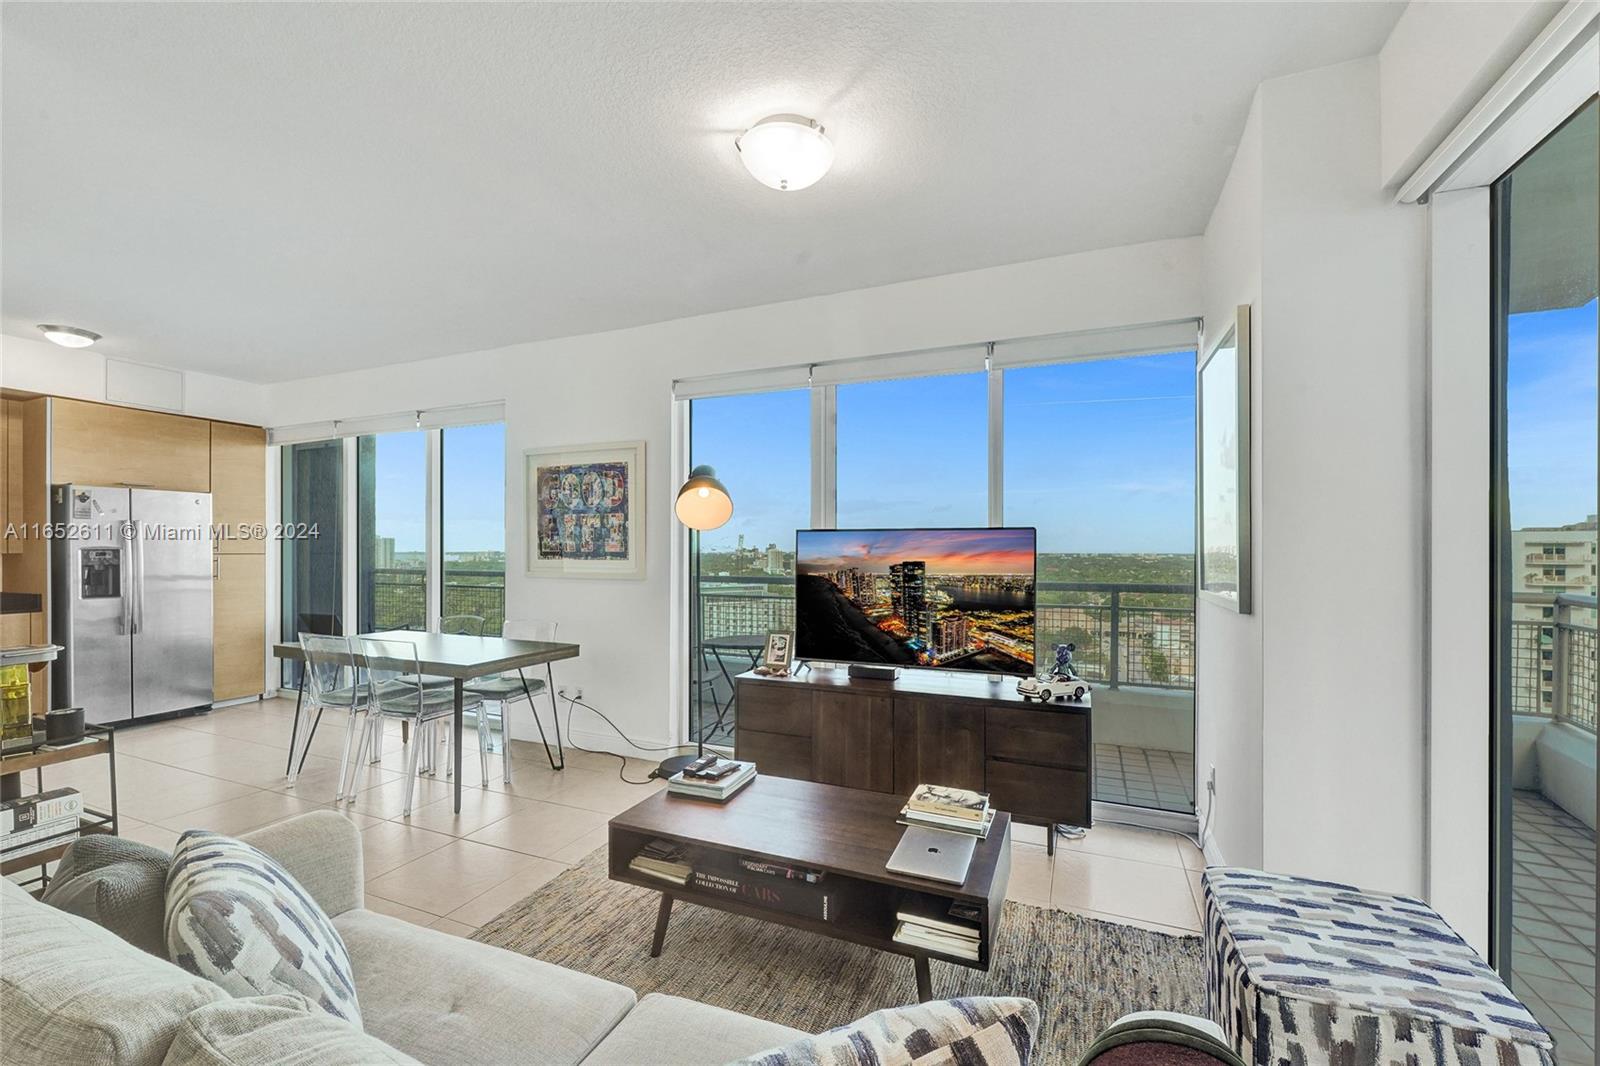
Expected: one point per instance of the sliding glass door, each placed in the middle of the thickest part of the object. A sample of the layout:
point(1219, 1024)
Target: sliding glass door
point(392, 531)
point(1547, 362)
point(743, 574)
point(1099, 456)
point(473, 522)
point(312, 592)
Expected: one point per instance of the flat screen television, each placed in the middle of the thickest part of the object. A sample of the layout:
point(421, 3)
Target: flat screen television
point(950, 599)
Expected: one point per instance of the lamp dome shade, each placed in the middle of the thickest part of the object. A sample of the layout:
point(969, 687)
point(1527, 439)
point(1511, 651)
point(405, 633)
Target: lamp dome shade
point(69, 336)
point(786, 152)
point(703, 502)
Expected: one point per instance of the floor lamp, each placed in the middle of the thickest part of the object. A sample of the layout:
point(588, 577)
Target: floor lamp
point(703, 503)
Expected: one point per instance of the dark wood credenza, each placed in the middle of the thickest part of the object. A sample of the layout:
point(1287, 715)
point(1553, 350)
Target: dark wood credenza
point(1035, 760)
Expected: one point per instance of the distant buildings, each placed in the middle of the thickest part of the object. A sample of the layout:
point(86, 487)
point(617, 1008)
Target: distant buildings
point(908, 595)
point(951, 633)
point(774, 560)
point(1547, 562)
point(383, 554)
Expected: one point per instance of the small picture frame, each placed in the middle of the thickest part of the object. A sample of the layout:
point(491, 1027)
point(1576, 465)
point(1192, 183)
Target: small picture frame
point(779, 651)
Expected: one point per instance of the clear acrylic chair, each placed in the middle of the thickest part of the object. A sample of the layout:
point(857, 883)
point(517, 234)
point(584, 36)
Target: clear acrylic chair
point(332, 684)
point(504, 689)
point(390, 695)
point(470, 625)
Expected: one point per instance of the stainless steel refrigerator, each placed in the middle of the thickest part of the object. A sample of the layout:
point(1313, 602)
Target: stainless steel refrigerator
point(131, 600)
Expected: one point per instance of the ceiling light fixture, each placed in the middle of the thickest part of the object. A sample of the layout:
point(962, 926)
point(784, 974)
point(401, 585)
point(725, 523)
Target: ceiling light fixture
point(70, 336)
point(785, 152)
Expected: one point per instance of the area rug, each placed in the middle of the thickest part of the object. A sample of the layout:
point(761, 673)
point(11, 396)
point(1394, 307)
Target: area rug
point(1083, 973)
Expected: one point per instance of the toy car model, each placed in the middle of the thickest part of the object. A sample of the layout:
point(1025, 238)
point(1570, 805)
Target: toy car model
point(1053, 686)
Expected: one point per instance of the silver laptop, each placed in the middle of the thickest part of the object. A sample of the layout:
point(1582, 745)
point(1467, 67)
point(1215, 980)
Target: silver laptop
point(934, 854)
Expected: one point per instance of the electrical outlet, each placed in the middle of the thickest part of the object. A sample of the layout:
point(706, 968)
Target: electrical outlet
point(570, 692)
point(1211, 782)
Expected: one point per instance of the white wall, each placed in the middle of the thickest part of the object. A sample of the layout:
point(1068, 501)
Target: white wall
point(1311, 708)
point(1437, 63)
point(617, 386)
point(39, 366)
point(1227, 644)
point(1342, 423)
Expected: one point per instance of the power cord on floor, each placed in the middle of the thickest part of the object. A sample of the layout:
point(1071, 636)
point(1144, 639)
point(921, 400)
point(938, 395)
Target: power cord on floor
point(622, 769)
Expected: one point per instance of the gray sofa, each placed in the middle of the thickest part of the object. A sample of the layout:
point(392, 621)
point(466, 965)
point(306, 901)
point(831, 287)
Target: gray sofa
point(72, 992)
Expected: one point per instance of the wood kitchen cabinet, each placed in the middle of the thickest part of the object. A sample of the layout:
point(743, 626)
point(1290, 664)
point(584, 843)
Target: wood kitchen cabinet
point(101, 444)
point(239, 607)
point(11, 472)
point(238, 487)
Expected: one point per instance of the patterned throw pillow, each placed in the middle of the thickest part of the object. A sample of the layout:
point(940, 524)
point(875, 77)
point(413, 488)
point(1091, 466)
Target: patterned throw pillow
point(975, 1031)
point(236, 917)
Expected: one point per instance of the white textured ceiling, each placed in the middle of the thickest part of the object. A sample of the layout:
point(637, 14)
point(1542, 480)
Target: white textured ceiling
point(270, 191)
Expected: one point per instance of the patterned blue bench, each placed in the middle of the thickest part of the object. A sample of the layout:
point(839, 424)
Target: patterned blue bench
point(1305, 972)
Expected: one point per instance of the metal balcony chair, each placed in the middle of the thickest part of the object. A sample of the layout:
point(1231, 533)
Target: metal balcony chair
point(470, 625)
point(390, 695)
point(505, 689)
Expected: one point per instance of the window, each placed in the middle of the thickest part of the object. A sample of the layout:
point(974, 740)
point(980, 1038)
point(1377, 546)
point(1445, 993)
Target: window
point(392, 531)
point(760, 446)
point(1099, 456)
point(913, 452)
point(473, 522)
point(1116, 537)
point(1546, 373)
point(312, 591)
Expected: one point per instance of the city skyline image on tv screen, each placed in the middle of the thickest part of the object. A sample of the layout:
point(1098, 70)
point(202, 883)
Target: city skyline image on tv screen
point(954, 599)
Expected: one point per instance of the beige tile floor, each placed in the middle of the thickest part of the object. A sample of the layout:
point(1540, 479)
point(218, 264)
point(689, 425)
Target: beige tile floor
point(224, 771)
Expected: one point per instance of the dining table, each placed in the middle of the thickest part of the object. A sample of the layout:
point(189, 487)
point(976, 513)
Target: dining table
point(459, 657)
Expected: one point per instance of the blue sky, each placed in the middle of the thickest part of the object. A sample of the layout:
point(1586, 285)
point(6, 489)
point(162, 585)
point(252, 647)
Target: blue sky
point(1099, 455)
point(1551, 397)
point(474, 489)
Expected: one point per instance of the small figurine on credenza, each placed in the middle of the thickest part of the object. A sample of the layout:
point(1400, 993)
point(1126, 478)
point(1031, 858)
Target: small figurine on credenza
point(1062, 682)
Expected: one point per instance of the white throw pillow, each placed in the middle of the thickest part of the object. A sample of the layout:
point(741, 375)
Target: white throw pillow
point(237, 918)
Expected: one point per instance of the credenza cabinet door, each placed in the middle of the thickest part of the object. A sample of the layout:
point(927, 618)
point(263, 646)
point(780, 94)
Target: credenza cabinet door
point(775, 754)
point(938, 743)
point(853, 741)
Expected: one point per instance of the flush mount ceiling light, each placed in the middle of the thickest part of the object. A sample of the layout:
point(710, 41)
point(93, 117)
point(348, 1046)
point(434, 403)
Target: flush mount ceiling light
point(785, 152)
point(70, 336)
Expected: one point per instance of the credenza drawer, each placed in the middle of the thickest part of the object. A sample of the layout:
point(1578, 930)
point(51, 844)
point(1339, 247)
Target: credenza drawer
point(774, 754)
point(1038, 792)
point(1039, 736)
point(774, 707)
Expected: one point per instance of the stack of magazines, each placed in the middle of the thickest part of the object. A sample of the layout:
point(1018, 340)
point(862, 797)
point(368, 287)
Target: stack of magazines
point(947, 936)
point(959, 810)
point(716, 782)
point(664, 860)
point(35, 823)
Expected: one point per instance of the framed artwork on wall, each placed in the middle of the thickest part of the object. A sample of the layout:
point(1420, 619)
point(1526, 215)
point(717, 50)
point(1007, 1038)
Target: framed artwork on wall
point(1223, 457)
point(585, 508)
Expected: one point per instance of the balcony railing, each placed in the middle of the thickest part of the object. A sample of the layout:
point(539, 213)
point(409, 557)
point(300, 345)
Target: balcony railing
point(399, 597)
point(1553, 660)
point(1123, 633)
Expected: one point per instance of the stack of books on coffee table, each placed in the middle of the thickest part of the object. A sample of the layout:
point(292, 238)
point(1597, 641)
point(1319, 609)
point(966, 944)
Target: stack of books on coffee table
point(717, 782)
point(664, 860)
point(958, 810)
point(37, 822)
point(947, 936)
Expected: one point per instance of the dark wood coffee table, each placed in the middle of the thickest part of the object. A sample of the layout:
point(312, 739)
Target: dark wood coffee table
point(847, 833)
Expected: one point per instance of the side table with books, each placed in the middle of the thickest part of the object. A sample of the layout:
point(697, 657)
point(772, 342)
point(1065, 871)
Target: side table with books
point(35, 829)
